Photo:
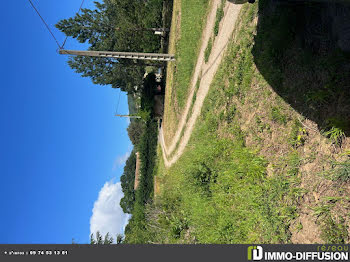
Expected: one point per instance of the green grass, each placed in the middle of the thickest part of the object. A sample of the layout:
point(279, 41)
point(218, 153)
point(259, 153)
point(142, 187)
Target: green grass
point(208, 50)
point(219, 16)
point(341, 172)
point(188, 117)
point(336, 129)
point(335, 134)
point(278, 116)
point(194, 96)
point(333, 231)
point(193, 14)
point(218, 191)
point(298, 135)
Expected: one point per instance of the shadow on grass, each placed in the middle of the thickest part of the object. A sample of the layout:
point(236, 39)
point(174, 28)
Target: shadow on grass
point(303, 52)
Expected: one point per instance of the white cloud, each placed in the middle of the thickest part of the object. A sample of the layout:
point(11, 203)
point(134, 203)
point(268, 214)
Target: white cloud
point(120, 160)
point(107, 215)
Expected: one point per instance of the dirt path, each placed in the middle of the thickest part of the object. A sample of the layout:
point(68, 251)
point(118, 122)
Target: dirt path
point(205, 72)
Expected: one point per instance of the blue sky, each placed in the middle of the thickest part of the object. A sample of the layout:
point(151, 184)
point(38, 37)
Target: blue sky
point(60, 143)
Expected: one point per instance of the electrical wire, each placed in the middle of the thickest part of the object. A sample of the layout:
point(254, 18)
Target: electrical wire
point(120, 91)
point(47, 26)
point(43, 20)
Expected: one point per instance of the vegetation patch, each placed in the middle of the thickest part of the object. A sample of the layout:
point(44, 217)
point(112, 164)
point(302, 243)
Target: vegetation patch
point(208, 50)
point(251, 117)
point(278, 116)
point(340, 171)
point(188, 22)
point(219, 191)
point(251, 164)
point(219, 16)
point(333, 228)
point(334, 232)
point(193, 14)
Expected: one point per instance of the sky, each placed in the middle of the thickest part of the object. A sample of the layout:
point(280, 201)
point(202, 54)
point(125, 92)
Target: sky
point(62, 150)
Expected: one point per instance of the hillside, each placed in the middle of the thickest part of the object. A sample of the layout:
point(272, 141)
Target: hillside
point(268, 158)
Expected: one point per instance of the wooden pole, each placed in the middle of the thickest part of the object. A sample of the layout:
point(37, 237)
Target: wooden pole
point(127, 55)
point(130, 116)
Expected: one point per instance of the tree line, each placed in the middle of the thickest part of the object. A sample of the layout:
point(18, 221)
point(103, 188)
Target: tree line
point(105, 240)
point(143, 134)
point(115, 25)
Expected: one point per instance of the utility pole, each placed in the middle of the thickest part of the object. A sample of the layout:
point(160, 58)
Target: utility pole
point(156, 30)
point(147, 29)
point(130, 116)
point(128, 55)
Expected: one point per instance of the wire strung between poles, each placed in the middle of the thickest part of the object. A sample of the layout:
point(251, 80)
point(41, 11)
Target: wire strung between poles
point(47, 26)
point(120, 91)
point(43, 20)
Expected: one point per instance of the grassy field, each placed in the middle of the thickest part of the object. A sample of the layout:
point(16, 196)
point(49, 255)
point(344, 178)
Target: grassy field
point(265, 162)
point(218, 191)
point(193, 15)
point(185, 41)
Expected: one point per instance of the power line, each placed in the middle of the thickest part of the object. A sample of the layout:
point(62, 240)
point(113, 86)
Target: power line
point(47, 26)
point(43, 20)
point(120, 91)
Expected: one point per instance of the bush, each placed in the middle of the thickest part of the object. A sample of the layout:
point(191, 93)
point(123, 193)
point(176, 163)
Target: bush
point(135, 131)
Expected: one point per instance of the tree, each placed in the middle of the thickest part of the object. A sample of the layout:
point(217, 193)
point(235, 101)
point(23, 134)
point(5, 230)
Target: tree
point(110, 27)
point(120, 239)
point(92, 239)
point(123, 74)
point(115, 24)
point(127, 182)
point(135, 130)
point(107, 240)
